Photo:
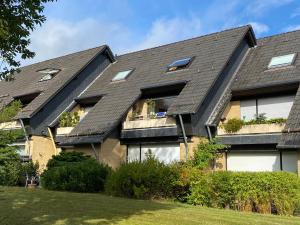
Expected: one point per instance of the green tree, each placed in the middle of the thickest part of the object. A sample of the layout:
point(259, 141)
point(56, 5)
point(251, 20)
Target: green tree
point(10, 163)
point(17, 19)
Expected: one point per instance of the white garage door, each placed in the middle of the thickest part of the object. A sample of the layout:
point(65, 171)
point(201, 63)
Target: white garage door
point(166, 153)
point(266, 161)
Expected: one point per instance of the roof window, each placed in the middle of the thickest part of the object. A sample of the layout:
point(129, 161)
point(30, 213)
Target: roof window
point(48, 74)
point(283, 60)
point(122, 75)
point(179, 64)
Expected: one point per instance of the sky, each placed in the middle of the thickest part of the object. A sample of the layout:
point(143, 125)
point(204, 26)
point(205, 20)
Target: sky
point(130, 25)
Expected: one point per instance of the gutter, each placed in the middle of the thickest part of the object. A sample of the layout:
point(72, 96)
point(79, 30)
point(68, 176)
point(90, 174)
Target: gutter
point(26, 135)
point(52, 140)
point(185, 138)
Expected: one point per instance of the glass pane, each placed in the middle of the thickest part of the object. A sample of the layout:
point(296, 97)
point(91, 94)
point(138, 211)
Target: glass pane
point(283, 60)
point(121, 75)
point(181, 62)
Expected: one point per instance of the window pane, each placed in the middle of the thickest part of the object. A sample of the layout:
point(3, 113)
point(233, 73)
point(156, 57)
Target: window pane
point(121, 75)
point(181, 62)
point(283, 60)
point(248, 109)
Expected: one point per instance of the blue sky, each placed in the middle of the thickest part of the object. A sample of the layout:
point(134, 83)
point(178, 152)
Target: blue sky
point(129, 25)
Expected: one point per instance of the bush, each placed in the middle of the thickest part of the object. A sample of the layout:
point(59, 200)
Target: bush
point(10, 166)
point(205, 153)
point(69, 119)
point(65, 157)
point(246, 191)
point(233, 125)
point(83, 176)
point(142, 180)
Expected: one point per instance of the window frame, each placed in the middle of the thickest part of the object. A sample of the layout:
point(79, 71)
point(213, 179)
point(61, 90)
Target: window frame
point(180, 67)
point(130, 71)
point(44, 73)
point(283, 64)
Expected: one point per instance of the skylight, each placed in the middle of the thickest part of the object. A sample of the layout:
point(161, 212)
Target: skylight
point(48, 74)
point(179, 64)
point(283, 60)
point(122, 75)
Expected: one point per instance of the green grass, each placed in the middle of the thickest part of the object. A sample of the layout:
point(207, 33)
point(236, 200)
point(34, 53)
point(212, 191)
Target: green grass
point(20, 206)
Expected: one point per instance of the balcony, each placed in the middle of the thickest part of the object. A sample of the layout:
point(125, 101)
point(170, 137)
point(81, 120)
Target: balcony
point(254, 129)
point(10, 125)
point(149, 123)
point(63, 130)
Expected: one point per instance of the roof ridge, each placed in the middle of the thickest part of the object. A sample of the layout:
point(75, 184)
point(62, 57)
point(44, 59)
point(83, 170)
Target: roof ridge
point(62, 56)
point(277, 35)
point(189, 39)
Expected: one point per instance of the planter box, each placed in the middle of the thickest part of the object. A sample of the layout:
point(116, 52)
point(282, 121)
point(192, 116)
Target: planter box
point(63, 130)
point(10, 125)
point(255, 129)
point(150, 123)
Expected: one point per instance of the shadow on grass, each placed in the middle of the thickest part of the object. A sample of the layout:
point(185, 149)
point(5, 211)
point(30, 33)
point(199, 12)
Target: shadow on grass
point(20, 206)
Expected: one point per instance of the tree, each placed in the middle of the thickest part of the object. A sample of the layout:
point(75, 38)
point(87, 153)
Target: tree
point(17, 19)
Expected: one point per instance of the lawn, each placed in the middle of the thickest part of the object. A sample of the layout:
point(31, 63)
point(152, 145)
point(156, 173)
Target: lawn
point(20, 206)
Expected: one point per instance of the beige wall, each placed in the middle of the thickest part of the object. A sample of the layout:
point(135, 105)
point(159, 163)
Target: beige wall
point(110, 152)
point(233, 110)
point(41, 150)
point(192, 145)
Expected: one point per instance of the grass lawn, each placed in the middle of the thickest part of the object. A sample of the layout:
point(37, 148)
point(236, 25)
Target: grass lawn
point(20, 206)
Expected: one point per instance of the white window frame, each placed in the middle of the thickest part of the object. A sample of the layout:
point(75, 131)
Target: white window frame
point(122, 75)
point(287, 60)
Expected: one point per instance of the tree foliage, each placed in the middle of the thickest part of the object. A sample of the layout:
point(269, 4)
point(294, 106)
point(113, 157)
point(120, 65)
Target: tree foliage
point(17, 19)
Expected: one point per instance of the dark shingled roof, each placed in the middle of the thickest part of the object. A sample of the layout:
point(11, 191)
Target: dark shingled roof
point(254, 74)
point(212, 53)
point(27, 81)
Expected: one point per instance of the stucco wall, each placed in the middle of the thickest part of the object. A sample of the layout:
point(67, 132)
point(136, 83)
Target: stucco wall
point(233, 110)
point(192, 145)
point(42, 149)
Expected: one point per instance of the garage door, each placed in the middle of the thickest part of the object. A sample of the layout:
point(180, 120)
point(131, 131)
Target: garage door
point(266, 161)
point(166, 153)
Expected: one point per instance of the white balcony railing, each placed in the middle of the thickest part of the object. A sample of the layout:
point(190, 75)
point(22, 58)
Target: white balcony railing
point(255, 129)
point(64, 130)
point(149, 123)
point(10, 125)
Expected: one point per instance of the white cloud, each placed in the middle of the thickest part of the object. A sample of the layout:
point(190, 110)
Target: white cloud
point(292, 28)
point(296, 13)
point(259, 7)
point(58, 37)
point(259, 28)
point(165, 31)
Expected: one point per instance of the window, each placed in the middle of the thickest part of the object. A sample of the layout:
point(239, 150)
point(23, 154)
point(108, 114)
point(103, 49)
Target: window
point(122, 75)
point(283, 60)
point(48, 74)
point(179, 64)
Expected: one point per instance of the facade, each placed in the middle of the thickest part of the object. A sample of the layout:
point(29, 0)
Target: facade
point(167, 99)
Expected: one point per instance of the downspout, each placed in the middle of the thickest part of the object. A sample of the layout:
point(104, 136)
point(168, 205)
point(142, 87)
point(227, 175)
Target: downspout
point(95, 151)
point(184, 137)
point(52, 140)
point(209, 132)
point(26, 135)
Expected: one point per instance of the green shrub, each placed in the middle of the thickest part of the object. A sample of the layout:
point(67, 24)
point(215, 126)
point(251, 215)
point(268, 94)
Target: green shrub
point(82, 176)
point(7, 113)
point(67, 157)
point(205, 153)
point(233, 125)
point(246, 191)
point(69, 119)
point(10, 166)
point(142, 180)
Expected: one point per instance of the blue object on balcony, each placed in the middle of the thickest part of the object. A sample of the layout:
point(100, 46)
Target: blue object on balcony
point(160, 114)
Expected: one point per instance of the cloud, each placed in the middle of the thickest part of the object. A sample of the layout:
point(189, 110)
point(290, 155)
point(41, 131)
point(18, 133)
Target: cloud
point(296, 13)
point(59, 37)
point(259, 28)
point(292, 28)
point(165, 31)
point(259, 7)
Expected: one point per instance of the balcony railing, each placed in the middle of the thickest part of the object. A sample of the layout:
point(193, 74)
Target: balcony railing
point(63, 130)
point(255, 129)
point(149, 123)
point(10, 125)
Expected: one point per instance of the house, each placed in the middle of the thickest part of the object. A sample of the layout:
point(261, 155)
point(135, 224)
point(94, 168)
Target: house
point(267, 83)
point(45, 89)
point(167, 99)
